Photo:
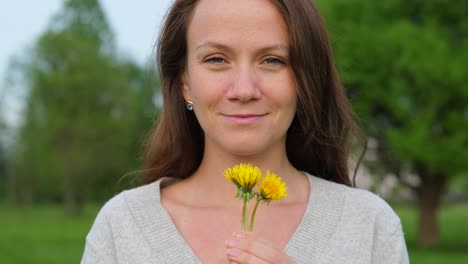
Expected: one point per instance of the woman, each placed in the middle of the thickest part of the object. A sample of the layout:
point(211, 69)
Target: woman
point(247, 82)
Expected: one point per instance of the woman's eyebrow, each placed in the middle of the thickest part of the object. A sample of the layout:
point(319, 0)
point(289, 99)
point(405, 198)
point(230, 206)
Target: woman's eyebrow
point(278, 47)
point(211, 44)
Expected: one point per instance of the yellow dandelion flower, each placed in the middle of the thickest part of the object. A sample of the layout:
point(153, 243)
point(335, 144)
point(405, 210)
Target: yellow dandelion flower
point(244, 176)
point(272, 188)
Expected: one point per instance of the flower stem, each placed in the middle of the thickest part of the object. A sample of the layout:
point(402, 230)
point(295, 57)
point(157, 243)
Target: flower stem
point(252, 219)
point(244, 216)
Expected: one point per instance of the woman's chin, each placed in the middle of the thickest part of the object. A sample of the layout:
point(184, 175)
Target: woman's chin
point(244, 150)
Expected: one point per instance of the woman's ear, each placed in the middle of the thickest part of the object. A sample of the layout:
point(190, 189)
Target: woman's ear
point(185, 86)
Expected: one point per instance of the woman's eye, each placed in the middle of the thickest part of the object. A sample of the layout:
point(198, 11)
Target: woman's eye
point(273, 61)
point(215, 60)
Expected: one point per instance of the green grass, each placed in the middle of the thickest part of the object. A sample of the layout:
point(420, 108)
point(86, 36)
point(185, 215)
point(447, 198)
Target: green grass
point(43, 234)
point(453, 222)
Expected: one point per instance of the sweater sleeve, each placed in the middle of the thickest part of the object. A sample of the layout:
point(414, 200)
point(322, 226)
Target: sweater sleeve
point(389, 244)
point(99, 247)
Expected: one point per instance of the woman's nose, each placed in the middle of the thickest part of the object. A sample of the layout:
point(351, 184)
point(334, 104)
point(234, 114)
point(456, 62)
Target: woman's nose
point(244, 86)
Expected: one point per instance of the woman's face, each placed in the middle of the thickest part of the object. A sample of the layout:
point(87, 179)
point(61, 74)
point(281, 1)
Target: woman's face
point(238, 76)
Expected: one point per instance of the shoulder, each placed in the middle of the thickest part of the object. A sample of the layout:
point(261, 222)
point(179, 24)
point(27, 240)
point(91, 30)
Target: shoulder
point(127, 201)
point(120, 214)
point(357, 220)
point(373, 206)
point(381, 223)
point(120, 200)
point(116, 233)
point(359, 204)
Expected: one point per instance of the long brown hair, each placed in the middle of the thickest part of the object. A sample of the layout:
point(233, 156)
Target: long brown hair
point(320, 135)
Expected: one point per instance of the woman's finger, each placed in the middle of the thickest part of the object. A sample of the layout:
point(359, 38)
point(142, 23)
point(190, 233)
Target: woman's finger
point(241, 257)
point(247, 248)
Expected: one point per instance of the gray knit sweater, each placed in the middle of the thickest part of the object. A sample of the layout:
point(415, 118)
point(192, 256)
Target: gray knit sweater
point(340, 225)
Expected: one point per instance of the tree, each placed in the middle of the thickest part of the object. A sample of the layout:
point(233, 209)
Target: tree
point(3, 161)
point(404, 66)
point(80, 115)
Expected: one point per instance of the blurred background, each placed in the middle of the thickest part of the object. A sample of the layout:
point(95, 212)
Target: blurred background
point(79, 92)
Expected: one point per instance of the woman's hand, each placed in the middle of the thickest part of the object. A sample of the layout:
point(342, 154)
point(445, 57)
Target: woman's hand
point(247, 248)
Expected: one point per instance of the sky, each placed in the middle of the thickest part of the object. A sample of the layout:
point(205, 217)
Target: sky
point(135, 24)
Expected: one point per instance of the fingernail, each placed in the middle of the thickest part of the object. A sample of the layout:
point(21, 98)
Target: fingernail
point(232, 252)
point(232, 242)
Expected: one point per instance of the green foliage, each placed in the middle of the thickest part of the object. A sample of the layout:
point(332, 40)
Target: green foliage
point(85, 110)
point(404, 66)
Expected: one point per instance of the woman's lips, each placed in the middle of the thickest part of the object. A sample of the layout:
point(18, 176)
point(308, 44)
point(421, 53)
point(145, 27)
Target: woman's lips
point(244, 118)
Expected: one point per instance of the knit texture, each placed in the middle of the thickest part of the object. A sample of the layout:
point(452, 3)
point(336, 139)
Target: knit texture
point(340, 225)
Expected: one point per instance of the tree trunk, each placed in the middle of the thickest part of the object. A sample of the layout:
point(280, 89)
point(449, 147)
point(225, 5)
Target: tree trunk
point(11, 186)
point(71, 185)
point(69, 195)
point(429, 196)
point(27, 193)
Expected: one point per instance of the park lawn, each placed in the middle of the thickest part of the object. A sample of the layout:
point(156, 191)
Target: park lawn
point(43, 234)
point(453, 222)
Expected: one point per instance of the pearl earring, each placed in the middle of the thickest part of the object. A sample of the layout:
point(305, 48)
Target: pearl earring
point(189, 105)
